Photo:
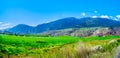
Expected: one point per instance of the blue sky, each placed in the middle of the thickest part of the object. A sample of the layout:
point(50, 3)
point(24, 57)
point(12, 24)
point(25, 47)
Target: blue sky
point(34, 12)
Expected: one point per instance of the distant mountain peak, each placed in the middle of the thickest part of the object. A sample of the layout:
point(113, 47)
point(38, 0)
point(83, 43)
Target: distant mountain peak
point(69, 22)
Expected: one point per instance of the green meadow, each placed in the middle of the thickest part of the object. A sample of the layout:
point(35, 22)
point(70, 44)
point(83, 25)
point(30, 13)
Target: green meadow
point(12, 46)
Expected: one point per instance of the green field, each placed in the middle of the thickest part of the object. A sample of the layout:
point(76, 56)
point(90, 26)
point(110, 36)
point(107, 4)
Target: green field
point(12, 46)
point(15, 45)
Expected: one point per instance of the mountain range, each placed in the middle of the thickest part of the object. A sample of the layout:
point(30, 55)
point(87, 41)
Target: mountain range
point(65, 23)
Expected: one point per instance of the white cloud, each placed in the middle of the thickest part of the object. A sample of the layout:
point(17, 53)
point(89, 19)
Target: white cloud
point(95, 11)
point(111, 17)
point(4, 25)
point(0, 22)
point(83, 14)
point(104, 16)
point(115, 19)
point(118, 16)
point(94, 16)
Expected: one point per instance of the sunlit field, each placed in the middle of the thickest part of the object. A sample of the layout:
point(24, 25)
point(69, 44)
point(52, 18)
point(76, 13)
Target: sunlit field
point(12, 46)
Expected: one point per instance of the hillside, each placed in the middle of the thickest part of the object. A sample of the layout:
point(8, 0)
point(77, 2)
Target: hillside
point(22, 29)
point(65, 23)
point(84, 32)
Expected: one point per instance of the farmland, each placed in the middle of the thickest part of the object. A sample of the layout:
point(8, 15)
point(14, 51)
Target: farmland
point(12, 46)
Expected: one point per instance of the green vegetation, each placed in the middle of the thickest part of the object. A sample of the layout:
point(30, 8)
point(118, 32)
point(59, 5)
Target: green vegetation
point(58, 46)
point(93, 38)
point(14, 45)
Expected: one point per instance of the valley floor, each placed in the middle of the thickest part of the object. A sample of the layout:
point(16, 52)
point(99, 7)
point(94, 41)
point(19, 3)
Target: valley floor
point(12, 46)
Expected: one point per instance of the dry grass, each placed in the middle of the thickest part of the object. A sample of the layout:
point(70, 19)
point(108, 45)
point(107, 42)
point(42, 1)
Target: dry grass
point(77, 50)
